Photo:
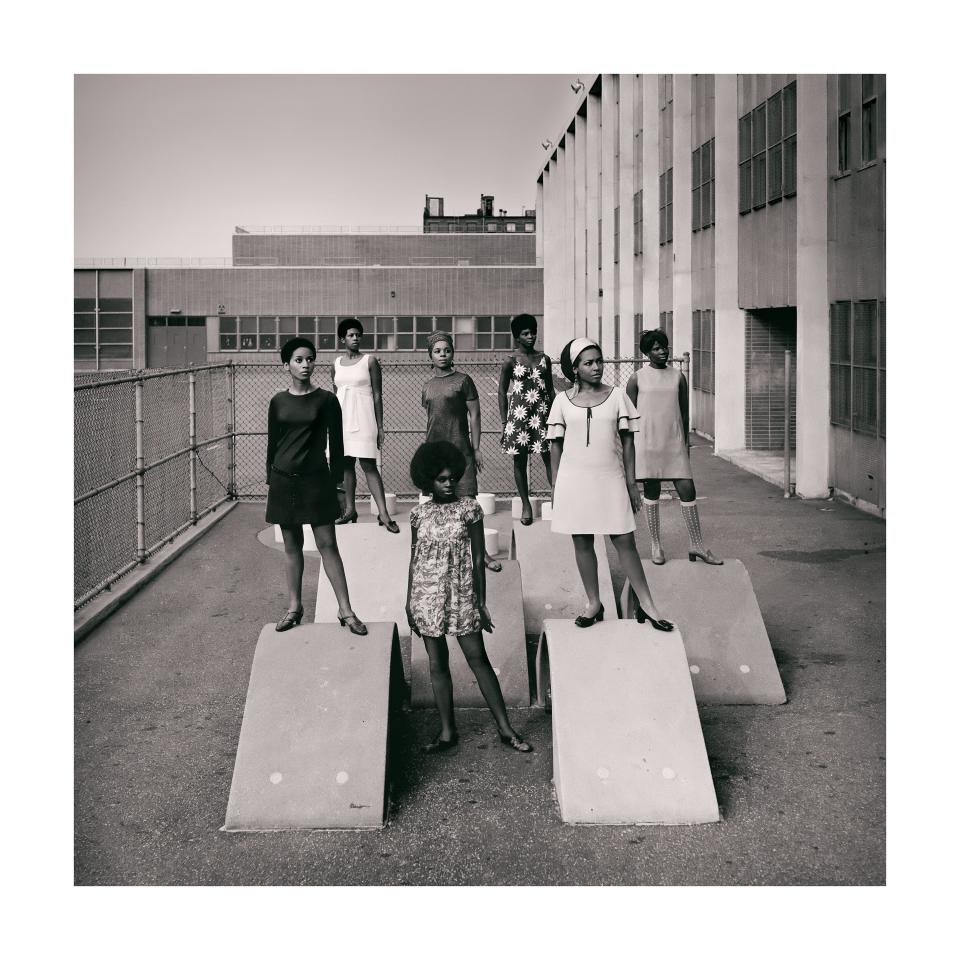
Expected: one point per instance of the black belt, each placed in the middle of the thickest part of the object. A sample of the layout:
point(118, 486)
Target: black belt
point(299, 476)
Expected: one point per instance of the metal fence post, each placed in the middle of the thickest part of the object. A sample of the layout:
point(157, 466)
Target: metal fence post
point(232, 430)
point(786, 423)
point(192, 390)
point(141, 512)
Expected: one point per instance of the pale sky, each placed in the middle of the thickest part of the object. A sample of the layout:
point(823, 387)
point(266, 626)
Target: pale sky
point(167, 165)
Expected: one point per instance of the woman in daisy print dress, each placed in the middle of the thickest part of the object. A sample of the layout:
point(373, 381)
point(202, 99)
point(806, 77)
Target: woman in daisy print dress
point(525, 397)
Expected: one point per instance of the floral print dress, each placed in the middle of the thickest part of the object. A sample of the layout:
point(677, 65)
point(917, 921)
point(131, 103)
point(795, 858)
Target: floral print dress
point(442, 597)
point(527, 409)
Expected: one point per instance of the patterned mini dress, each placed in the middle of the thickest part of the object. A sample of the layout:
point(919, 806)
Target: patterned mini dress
point(527, 409)
point(442, 598)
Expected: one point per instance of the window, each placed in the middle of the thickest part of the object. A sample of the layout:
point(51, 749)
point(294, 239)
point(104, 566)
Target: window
point(790, 139)
point(759, 156)
point(702, 180)
point(638, 223)
point(868, 117)
point(511, 228)
point(703, 351)
point(666, 325)
point(491, 228)
point(103, 320)
point(843, 123)
point(857, 366)
point(637, 331)
point(666, 207)
point(529, 227)
point(744, 154)
point(775, 147)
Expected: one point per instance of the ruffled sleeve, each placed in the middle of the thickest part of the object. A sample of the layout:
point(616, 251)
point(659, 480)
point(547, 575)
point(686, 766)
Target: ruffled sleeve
point(627, 416)
point(556, 421)
point(472, 513)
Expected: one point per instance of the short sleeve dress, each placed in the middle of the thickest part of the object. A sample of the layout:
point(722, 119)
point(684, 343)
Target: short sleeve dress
point(527, 408)
point(355, 393)
point(445, 400)
point(442, 598)
point(590, 490)
point(661, 447)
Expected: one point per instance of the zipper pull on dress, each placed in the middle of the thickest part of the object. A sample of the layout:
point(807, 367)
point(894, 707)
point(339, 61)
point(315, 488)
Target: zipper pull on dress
point(589, 418)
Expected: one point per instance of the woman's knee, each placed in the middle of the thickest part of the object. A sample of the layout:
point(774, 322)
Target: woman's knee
point(583, 541)
point(686, 490)
point(325, 538)
point(368, 465)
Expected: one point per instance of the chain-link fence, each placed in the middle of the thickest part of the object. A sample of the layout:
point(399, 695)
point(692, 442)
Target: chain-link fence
point(152, 455)
point(155, 451)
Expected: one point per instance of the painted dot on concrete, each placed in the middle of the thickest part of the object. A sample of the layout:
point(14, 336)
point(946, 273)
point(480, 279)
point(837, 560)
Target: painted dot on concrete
point(276, 777)
point(744, 668)
point(694, 668)
point(603, 773)
point(669, 773)
point(548, 606)
point(343, 777)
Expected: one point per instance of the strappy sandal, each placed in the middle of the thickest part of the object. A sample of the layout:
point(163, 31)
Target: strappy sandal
point(353, 623)
point(492, 564)
point(440, 745)
point(289, 620)
point(515, 742)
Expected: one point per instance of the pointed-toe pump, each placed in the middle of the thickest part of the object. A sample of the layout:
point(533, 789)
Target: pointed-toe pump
point(584, 621)
point(346, 518)
point(289, 620)
point(391, 525)
point(642, 617)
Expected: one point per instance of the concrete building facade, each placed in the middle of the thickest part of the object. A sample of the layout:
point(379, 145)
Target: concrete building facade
point(745, 216)
point(284, 282)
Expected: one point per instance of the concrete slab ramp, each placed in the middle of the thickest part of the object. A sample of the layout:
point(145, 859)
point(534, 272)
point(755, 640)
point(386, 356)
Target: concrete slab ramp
point(551, 582)
point(627, 742)
point(728, 650)
point(506, 648)
point(376, 564)
point(313, 742)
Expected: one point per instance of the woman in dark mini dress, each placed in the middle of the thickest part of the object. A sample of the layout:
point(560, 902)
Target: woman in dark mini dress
point(303, 486)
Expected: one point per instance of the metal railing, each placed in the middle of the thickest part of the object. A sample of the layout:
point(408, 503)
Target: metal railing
point(155, 451)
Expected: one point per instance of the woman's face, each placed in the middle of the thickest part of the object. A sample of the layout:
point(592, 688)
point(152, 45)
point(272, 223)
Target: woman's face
point(589, 366)
point(441, 354)
point(527, 337)
point(351, 339)
point(301, 364)
point(658, 353)
point(444, 485)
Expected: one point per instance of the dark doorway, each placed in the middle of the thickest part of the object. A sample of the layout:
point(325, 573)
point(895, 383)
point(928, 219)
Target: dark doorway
point(769, 334)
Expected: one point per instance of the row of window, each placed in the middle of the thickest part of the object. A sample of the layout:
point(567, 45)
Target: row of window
point(475, 227)
point(380, 333)
point(102, 332)
point(704, 351)
point(767, 150)
point(703, 178)
point(858, 363)
point(869, 119)
point(666, 207)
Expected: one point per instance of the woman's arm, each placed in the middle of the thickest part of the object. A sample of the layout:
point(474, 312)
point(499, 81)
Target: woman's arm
point(333, 375)
point(551, 390)
point(631, 389)
point(413, 547)
point(272, 430)
point(477, 548)
point(684, 400)
point(376, 385)
point(506, 375)
point(335, 437)
point(556, 452)
point(473, 416)
point(629, 468)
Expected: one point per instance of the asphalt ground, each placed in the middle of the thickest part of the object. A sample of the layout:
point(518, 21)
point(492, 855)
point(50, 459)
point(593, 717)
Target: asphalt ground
point(160, 688)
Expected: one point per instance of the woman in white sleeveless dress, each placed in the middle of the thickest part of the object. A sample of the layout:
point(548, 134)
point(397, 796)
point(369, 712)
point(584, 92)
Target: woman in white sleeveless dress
point(358, 383)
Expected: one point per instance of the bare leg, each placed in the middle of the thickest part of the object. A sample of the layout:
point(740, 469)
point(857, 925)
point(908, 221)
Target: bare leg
point(442, 684)
point(349, 485)
point(520, 479)
point(293, 564)
point(326, 539)
point(587, 565)
point(489, 562)
point(630, 561)
point(473, 649)
point(375, 484)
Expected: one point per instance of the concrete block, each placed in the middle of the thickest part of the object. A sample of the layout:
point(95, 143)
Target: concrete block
point(726, 642)
point(546, 510)
point(516, 508)
point(506, 648)
point(551, 581)
point(313, 743)
point(376, 563)
point(627, 742)
point(489, 503)
point(491, 540)
point(391, 499)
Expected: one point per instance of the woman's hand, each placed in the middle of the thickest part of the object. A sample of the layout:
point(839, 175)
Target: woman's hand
point(485, 622)
point(379, 438)
point(634, 494)
point(410, 622)
point(478, 459)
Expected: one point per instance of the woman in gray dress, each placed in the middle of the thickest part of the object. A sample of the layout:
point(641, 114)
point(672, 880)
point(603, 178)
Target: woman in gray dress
point(453, 414)
point(659, 392)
